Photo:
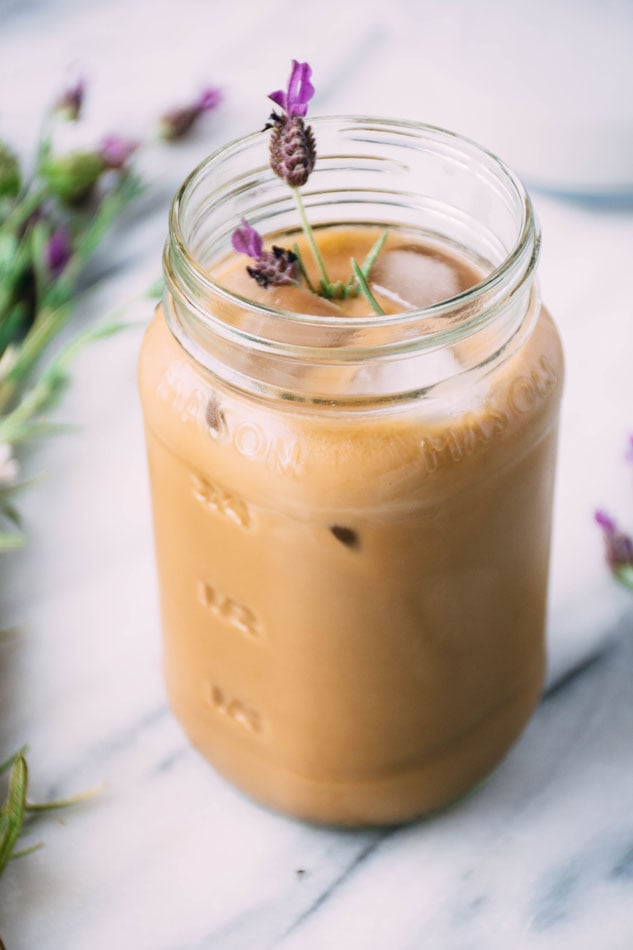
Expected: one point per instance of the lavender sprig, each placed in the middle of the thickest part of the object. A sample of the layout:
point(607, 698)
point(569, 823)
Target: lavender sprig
point(293, 149)
point(176, 123)
point(15, 809)
point(293, 157)
point(618, 548)
point(618, 545)
point(275, 267)
point(52, 222)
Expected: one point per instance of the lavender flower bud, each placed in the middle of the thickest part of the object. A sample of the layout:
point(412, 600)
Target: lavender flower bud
point(72, 177)
point(70, 103)
point(58, 251)
point(176, 123)
point(292, 149)
point(618, 545)
point(116, 151)
point(275, 267)
point(10, 178)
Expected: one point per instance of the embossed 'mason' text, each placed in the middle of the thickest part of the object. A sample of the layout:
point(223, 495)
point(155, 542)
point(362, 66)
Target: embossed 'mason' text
point(456, 442)
point(528, 390)
point(279, 453)
point(474, 431)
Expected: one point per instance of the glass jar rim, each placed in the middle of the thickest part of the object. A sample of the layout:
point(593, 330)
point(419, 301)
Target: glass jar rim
point(521, 259)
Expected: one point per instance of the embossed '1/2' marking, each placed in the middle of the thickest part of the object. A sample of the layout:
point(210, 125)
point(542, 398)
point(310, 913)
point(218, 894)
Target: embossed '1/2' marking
point(229, 610)
point(221, 501)
point(234, 709)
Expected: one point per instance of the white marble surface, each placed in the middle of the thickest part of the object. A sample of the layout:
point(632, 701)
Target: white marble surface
point(169, 857)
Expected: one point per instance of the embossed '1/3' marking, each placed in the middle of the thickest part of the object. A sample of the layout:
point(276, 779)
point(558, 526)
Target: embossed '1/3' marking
point(234, 709)
point(229, 610)
point(221, 501)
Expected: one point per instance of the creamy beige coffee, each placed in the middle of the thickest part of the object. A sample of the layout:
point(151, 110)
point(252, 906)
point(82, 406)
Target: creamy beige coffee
point(353, 600)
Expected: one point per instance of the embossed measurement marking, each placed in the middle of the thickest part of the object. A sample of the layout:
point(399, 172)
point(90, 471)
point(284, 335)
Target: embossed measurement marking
point(221, 501)
point(234, 709)
point(229, 610)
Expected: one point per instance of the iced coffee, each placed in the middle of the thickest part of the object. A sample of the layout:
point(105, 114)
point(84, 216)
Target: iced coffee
point(353, 553)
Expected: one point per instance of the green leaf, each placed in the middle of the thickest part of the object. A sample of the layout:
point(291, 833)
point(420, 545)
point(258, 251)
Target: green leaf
point(57, 803)
point(13, 810)
point(155, 290)
point(10, 541)
point(9, 762)
point(23, 852)
point(11, 513)
point(364, 286)
point(370, 260)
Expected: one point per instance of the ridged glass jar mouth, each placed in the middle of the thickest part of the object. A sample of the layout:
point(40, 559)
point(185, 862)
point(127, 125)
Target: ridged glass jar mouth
point(378, 172)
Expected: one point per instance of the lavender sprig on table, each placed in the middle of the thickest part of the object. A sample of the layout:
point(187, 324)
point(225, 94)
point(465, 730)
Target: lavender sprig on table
point(54, 215)
point(55, 212)
point(618, 544)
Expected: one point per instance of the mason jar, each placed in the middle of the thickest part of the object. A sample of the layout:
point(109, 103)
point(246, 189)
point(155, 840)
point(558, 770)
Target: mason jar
point(352, 514)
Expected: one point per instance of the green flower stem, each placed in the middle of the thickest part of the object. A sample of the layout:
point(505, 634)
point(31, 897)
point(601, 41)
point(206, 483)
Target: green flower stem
point(14, 426)
point(31, 201)
point(302, 268)
point(309, 233)
point(47, 325)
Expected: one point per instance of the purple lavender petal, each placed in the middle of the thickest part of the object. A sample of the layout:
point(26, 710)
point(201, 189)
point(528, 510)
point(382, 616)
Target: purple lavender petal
point(605, 521)
point(209, 98)
point(58, 250)
point(246, 240)
point(629, 451)
point(116, 151)
point(300, 91)
point(618, 545)
point(279, 98)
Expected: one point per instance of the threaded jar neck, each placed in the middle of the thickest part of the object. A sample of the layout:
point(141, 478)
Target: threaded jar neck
point(401, 175)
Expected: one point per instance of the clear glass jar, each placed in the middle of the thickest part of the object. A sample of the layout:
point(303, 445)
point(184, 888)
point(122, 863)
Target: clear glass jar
point(352, 515)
